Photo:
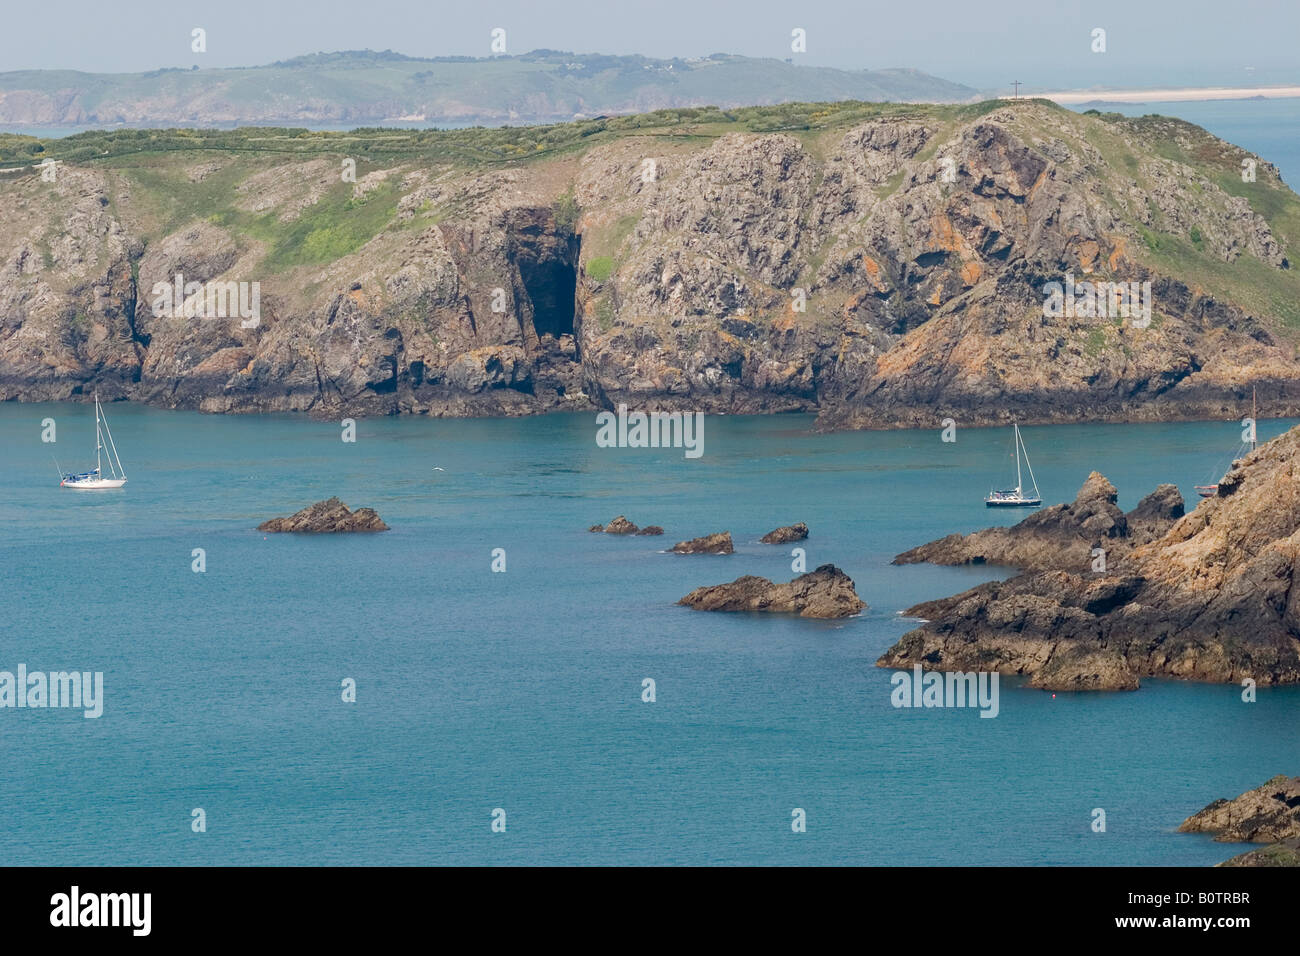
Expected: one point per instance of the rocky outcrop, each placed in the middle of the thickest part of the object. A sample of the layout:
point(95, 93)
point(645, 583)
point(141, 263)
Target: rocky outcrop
point(717, 543)
point(1063, 536)
point(1211, 599)
point(1268, 814)
point(881, 268)
point(786, 534)
point(1282, 853)
point(621, 525)
point(825, 593)
point(326, 517)
point(1264, 815)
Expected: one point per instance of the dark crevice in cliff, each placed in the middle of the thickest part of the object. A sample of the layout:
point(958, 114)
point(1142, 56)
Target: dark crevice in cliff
point(546, 254)
point(139, 337)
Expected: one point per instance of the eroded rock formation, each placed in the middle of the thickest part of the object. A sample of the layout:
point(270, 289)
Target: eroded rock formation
point(1062, 536)
point(825, 593)
point(786, 534)
point(717, 543)
point(621, 525)
point(1213, 598)
point(1268, 814)
point(326, 517)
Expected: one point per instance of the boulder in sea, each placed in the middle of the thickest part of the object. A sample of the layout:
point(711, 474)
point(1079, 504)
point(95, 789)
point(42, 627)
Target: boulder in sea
point(717, 543)
point(791, 532)
point(326, 517)
point(619, 525)
point(1268, 814)
point(651, 529)
point(825, 593)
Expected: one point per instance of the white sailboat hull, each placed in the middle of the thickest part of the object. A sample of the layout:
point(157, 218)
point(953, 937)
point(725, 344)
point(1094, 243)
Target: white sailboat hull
point(1012, 502)
point(93, 484)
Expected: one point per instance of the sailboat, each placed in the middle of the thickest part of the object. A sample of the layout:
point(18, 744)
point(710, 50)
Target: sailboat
point(95, 480)
point(1211, 490)
point(1016, 497)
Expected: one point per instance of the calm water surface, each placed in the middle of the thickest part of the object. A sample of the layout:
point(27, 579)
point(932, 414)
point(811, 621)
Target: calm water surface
point(522, 690)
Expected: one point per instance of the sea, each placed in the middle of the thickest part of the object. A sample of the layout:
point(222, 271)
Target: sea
point(504, 716)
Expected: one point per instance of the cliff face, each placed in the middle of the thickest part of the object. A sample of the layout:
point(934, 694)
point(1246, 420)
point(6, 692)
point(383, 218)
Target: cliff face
point(883, 266)
point(1212, 598)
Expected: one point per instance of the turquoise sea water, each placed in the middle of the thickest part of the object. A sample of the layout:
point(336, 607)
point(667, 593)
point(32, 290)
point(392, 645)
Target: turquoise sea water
point(522, 690)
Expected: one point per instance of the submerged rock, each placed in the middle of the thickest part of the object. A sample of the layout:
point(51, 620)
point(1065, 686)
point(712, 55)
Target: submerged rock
point(786, 534)
point(825, 593)
point(717, 543)
point(1210, 597)
point(326, 517)
point(1267, 814)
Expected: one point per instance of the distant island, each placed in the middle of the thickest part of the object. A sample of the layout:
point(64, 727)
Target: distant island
point(364, 87)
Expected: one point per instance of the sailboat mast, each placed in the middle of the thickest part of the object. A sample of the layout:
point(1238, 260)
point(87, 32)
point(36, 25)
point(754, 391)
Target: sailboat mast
point(1019, 484)
point(1254, 425)
point(99, 444)
point(119, 471)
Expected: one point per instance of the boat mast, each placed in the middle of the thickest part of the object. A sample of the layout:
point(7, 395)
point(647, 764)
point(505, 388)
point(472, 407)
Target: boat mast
point(1030, 467)
point(1017, 428)
point(98, 442)
point(119, 472)
point(1254, 425)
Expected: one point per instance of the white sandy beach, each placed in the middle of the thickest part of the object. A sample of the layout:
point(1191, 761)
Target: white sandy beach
point(1170, 96)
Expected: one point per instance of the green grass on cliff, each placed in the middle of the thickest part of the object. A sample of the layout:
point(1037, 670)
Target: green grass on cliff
point(473, 146)
point(329, 229)
point(332, 227)
point(157, 165)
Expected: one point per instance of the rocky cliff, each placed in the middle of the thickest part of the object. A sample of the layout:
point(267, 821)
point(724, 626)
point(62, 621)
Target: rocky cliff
point(882, 265)
point(1062, 536)
point(1268, 814)
point(1213, 598)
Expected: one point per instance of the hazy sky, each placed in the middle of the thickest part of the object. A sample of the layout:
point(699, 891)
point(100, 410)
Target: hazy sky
point(1045, 44)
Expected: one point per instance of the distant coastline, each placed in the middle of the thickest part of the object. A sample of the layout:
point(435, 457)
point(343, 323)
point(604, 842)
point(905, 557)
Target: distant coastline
point(1185, 95)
